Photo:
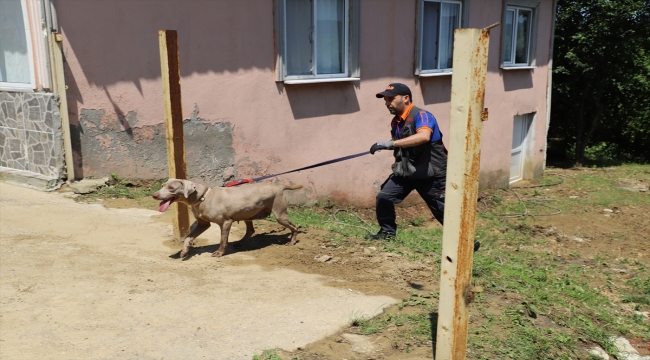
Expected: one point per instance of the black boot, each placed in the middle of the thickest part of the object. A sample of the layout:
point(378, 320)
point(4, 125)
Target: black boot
point(381, 235)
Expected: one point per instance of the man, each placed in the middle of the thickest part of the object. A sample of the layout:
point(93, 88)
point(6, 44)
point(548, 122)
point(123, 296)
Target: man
point(420, 160)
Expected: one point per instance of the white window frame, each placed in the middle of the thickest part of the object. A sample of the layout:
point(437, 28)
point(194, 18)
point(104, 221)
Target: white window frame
point(23, 87)
point(314, 48)
point(350, 51)
point(420, 27)
point(531, 41)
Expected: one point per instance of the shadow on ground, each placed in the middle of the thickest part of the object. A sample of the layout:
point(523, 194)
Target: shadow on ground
point(254, 243)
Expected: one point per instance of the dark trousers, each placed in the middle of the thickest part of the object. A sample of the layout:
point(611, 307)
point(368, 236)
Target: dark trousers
point(396, 188)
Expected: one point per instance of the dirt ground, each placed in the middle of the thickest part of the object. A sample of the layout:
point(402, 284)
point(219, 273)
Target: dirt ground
point(104, 281)
point(85, 281)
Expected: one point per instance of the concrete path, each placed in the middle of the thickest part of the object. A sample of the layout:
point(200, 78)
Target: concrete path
point(83, 281)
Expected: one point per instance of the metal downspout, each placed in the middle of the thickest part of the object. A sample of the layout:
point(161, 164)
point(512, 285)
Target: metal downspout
point(549, 88)
point(45, 28)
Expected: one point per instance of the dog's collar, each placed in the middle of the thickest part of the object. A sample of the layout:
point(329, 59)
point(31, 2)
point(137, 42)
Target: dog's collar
point(202, 199)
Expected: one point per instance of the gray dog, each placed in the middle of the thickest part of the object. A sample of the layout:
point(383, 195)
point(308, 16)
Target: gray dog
point(223, 205)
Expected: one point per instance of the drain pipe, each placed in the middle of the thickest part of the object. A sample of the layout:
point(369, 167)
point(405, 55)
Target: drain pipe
point(549, 88)
point(47, 29)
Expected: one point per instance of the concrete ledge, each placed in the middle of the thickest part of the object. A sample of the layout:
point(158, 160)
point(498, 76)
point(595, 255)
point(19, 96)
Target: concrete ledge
point(29, 179)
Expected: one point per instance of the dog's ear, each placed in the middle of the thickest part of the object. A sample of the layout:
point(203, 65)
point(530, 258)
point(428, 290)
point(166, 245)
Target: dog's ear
point(188, 188)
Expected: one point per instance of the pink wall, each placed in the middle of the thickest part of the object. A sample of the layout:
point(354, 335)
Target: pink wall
point(227, 61)
point(510, 93)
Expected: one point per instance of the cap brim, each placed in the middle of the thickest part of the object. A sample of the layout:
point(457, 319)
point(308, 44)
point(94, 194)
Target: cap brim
point(386, 93)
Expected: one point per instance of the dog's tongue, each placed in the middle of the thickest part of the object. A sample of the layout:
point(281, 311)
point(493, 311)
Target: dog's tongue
point(165, 204)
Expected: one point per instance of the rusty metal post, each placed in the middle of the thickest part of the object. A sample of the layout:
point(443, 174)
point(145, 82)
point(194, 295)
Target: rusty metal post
point(171, 82)
point(467, 116)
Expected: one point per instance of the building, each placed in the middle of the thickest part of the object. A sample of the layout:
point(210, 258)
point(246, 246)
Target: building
point(267, 86)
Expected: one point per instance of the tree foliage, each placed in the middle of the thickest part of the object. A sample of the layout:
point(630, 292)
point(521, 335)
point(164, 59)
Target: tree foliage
point(601, 80)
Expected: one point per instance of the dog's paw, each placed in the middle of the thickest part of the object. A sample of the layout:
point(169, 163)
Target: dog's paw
point(184, 253)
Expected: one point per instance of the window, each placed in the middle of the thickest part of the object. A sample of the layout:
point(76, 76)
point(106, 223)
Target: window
point(318, 40)
point(437, 21)
point(16, 62)
point(518, 36)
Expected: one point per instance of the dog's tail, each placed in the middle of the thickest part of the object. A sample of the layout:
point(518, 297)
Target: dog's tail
point(292, 187)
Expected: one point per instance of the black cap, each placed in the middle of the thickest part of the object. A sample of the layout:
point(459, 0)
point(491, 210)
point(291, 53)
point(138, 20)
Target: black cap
point(395, 89)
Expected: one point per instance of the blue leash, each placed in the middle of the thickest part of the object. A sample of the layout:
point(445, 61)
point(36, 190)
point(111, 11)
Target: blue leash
point(244, 181)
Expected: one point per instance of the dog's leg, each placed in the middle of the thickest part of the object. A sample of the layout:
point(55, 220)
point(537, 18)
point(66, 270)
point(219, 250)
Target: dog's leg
point(198, 228)
point(250, 230)
point(283, 219)
point(225, 230)
point(280, 213)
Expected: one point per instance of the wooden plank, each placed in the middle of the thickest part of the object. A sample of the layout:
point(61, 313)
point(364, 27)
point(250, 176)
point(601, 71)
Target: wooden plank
point(60, 87)
point(171, 82)
point(467, 95)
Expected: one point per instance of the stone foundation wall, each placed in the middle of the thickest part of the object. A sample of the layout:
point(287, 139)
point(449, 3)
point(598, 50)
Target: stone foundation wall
point(30, 133)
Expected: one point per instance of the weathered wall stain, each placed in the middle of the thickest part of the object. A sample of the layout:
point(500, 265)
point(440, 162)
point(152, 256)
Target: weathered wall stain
point(494, 179)
point(209, 151)
point(116, 146)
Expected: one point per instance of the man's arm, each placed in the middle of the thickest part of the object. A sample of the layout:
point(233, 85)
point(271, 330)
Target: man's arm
point(421, 136)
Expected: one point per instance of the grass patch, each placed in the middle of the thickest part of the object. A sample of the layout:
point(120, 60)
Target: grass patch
point(346, 222)
point(638, 291)
point(130, 189)
point(535, 305)
point(268, 355)
point(538, 284)
point(414, 240)
point(418, 326)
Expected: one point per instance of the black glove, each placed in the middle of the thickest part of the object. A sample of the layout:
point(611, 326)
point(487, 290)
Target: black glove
point(382, 145)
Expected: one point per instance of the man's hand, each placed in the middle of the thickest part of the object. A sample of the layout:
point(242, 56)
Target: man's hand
point(382, 145)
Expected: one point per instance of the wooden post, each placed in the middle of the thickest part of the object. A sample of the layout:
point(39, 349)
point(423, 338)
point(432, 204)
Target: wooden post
point(56, 43)
point(467, 116)
point(171, 81)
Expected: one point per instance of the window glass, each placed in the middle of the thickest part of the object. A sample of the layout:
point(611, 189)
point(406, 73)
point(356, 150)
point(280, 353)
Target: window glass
point(449, 21)
point(518, 36)
point(439, 20)
point(315, 37)
point(299, 34)
point(523, 26)
point(517, 131)
point(330, 39)
point(507, 40)
point(14, 58)
point(431, 13)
